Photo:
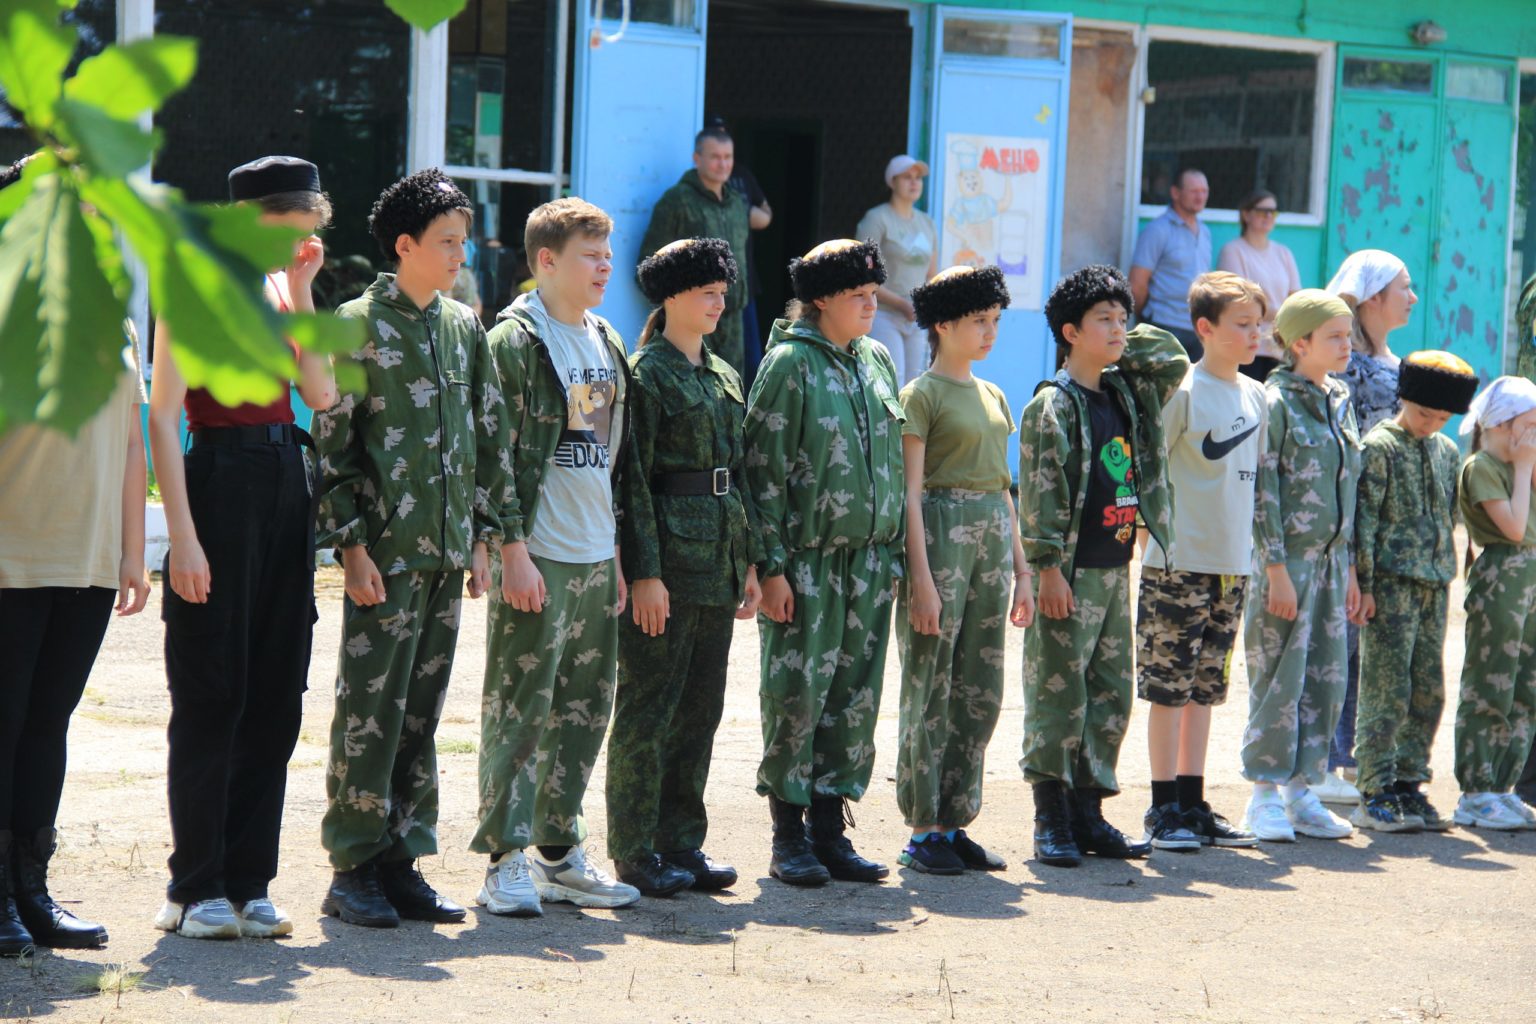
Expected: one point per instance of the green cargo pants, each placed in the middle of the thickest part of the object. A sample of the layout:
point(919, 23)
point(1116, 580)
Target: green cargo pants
point(1402, 682)
point(1498, 678)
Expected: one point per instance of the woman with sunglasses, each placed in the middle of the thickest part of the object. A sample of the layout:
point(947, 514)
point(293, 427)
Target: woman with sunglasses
point(1268, 264)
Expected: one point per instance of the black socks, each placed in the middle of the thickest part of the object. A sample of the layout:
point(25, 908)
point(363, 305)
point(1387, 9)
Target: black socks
point(554, 854)
point(1190, 790)
point(1164, 793)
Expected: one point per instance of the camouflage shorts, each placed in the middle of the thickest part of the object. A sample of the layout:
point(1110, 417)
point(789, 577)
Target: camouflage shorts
point(1186, 627)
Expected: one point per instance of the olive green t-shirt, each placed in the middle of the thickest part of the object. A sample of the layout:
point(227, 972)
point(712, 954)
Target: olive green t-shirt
point(1485, 478)
point(964, 426)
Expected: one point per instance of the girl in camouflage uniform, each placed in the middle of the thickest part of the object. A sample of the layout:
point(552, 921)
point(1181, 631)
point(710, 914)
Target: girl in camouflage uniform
point(1294, 634)
point(824, 470)
point(689, 543)
point(964, 561)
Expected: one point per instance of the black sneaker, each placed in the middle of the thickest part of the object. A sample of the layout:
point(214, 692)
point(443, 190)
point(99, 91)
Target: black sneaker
point(1382, 813)
point(1165, 829)
point(975, 856)
point(1415, 803)
point(933, 856)
point(1214, 830)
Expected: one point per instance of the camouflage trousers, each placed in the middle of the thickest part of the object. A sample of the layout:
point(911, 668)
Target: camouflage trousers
point(1296, 673)
point(1498, 678)
point(952, 684)
point(396, 657)
point(726, 341)
point(1077, 685)
point(670, 697)
point(544, 709)
point(822, 674)
point(1186, 627)
point(1402, 682)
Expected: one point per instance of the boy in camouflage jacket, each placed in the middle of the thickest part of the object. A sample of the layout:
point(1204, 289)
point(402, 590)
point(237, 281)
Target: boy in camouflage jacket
point(1093, 433)
point(411, 482)
point(1405, 559)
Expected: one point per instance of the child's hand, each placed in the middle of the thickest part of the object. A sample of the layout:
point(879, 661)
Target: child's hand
point(1367, 608)
point(522, 585)
point(479, 570)
point(778, 599)
point(1055, 595)
point(923, 605)
point(1023, 613)
point(364, 584)
point(308, 258)
point(132, 586)
point(752, 595)
point(1282, 594)
point(1522, 449)
point(191, 578)
point(651, 606)
point(1352, 600)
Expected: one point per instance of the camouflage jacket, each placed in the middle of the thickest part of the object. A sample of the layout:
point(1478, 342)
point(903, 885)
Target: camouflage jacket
point(1055, 448)
point(687, 419)
point(1406, 508)
point(409, 466)
point(824, 445)
point(689, 210)
point(537, 412)
point(1309, 470)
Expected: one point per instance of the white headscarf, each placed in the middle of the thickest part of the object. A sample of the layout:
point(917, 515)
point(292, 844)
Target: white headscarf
point(1365, 273)
point(1500, 402)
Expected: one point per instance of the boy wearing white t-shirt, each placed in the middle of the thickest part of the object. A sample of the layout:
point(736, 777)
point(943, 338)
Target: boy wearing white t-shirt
point(1189, 611)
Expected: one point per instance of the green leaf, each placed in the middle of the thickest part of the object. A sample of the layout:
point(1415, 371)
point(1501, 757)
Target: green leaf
point(324, 333)
point(108, 146)
point(130, 79)
point(426, 14)
point(61, 335)
point(237, 228)
point(34, 51)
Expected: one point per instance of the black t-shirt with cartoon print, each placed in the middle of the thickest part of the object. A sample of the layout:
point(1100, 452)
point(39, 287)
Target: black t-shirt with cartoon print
point(1108, 533)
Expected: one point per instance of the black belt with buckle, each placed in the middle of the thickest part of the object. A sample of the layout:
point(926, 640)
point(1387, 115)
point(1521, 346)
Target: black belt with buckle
point(271, 433)
point(705, 481)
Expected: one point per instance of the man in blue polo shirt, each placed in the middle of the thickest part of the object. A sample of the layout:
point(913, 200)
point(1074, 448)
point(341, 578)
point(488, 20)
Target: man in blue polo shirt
point(1171, 252)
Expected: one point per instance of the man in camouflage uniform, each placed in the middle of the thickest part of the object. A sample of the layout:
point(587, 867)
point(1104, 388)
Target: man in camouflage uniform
point(703, 205)
point(409, 469)
point(824, 468)
point(1405, 559)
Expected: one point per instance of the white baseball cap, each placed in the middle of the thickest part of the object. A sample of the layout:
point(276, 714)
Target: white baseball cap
point(901, 165)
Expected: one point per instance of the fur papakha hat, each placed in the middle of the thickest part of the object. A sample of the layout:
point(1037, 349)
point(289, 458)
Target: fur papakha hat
point(1437, 380)
point(957, 293)
point(684, 265)
point(836, 266)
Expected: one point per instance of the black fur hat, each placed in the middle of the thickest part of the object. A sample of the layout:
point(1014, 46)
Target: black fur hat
point(826, 271)
point(957, 293)
point(692, 263)
point(1437, 380)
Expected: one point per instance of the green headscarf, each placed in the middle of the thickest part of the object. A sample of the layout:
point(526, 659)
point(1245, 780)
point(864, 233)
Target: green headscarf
point(1304, 312)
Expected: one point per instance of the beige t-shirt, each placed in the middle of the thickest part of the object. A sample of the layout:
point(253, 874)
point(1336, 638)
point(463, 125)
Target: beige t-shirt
point(964, 426)
point(61, 498)
point(909, 246)
point(1272, 269)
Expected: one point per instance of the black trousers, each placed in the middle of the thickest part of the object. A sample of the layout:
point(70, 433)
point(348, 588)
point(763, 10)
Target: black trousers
point(49, 636)
point(237, 666)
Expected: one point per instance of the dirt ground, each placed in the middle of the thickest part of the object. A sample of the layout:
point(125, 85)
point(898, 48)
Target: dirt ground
point(1388, 928)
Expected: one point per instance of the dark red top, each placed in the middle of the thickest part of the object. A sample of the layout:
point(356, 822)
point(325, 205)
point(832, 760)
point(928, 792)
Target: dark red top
point(203, 410)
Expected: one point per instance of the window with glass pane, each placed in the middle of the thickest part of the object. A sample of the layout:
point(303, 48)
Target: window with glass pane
point(655, 12)
point(498, 265)
point(1242, 116)
point(326, 80)
point(96, 21)
point(501, 58)
point(1481, 82)
point(1029, 40)
point(1389, 75)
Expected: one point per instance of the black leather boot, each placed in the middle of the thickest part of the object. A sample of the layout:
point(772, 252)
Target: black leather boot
point(357, 897)
point(707, 875)
point(1054, 844)
point(793, 862)
point(1096, 836)
point(652, 875)
point(827, 820)
point(50, 924)
point(14, 937)
point(411, 896)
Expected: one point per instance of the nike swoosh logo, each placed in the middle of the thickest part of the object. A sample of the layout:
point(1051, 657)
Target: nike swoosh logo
point(1218, 450)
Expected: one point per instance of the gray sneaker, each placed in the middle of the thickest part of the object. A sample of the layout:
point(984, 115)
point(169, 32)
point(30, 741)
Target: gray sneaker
point(205, 919)
point(260, 919)
point(577, 880)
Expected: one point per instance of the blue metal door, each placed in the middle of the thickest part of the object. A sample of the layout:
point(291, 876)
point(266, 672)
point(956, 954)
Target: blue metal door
point(639, 100)
point(999, 150)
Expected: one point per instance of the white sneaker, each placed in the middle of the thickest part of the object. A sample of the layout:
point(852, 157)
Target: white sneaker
point(508, 889)
point(205, 919)
point(260, 919)
point(577, 880)
point(1266, 819)
point(1335, 790)
point(1486, 810)
point(1520, 809)
point(1309, 817)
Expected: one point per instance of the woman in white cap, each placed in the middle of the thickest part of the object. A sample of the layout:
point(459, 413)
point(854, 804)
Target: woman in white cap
point(909, 245)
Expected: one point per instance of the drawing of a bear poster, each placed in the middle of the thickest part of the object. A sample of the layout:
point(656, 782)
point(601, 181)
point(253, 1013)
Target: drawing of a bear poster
point(997, 209)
